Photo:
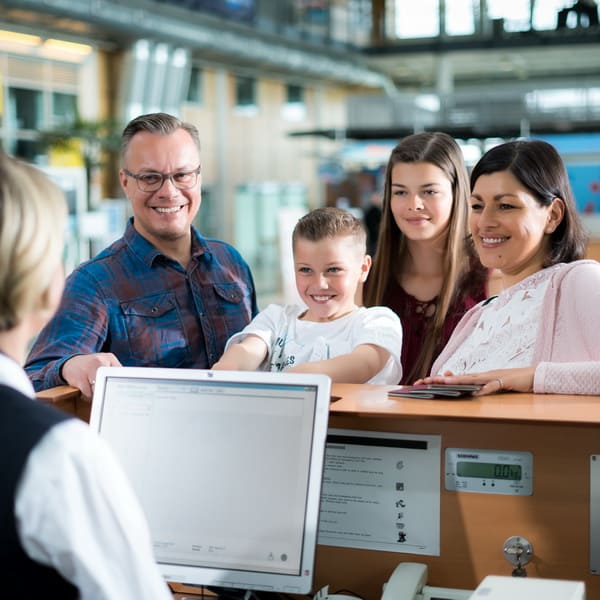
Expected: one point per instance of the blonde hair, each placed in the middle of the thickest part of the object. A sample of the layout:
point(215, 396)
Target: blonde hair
point(33, 215)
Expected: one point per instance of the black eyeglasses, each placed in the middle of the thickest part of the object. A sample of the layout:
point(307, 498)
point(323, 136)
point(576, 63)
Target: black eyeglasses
point(152, 181)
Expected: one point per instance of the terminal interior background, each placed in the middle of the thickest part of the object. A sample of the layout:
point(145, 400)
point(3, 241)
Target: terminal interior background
point(298, 102)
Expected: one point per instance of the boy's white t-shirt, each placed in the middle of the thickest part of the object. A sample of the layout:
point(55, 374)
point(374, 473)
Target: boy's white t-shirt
point(291, 341)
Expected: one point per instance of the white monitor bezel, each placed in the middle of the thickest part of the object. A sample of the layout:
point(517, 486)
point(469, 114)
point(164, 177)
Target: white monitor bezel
point(300, 583)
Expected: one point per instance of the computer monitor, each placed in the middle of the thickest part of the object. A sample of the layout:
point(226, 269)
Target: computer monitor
point(227, 466)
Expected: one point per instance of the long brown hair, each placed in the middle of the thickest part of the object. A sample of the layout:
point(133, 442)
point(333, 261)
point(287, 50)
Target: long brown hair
point(441, 150)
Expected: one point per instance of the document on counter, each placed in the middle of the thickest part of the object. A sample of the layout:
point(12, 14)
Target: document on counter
point(381, 491)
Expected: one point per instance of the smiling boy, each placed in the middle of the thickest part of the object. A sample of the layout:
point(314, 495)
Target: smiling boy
point(330, 334)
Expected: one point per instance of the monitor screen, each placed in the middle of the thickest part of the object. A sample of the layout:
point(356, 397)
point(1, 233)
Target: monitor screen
point(227, 466)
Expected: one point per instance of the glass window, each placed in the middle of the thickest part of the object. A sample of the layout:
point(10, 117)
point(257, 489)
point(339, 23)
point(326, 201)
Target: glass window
point(25, 108)
point(64, 109)
point(545, 13)
point(245, 92)
point(294, 94)
point(194, 93)
point(460, 17)
point(411, 23)
point(516, 14)
point(360, 21)
point(294, 108)
point(28, 150)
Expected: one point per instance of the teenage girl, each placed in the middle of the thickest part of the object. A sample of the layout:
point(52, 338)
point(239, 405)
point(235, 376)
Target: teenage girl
point(425, 268)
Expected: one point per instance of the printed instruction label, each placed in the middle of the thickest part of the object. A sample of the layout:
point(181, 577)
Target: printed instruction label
point(381, 491)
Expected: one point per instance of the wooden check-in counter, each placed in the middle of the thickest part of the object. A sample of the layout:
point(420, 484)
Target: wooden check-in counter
point(562, 432)
point(67, 398)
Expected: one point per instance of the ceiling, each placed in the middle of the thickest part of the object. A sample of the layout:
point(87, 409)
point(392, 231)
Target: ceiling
point(498, 56)
point(486, 76)
point(211, 40)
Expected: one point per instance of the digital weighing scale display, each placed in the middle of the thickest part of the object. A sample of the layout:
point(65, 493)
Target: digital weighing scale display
point(489, 471)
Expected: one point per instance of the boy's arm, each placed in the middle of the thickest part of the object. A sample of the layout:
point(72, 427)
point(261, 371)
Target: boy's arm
point(246, 355)
point(358, 366)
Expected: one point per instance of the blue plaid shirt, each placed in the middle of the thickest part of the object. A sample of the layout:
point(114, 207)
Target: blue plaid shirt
point(147, 309)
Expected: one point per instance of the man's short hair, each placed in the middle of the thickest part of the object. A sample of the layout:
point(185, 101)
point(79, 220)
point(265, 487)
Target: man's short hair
point(157, 124)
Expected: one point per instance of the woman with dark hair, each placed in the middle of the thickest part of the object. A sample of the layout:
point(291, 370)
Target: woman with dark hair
point(540, 333)
point(425, 268)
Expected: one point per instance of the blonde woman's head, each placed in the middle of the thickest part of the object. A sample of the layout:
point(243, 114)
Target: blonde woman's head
point(33, 216)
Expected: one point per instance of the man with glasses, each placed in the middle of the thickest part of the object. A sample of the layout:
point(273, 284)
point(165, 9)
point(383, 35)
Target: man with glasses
point(162, 295)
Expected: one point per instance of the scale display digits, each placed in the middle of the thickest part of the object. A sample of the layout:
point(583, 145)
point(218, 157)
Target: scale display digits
point(485, 470)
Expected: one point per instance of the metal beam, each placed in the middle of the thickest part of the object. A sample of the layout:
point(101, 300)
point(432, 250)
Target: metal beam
point(514, 40)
